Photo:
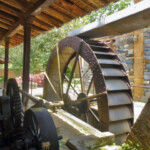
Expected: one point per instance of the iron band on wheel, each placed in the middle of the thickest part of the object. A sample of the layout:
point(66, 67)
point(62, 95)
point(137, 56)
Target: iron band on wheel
point(114, 110)
point(40, 128)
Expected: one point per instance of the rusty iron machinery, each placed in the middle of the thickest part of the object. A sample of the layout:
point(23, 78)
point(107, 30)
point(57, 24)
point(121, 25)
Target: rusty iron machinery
point(104, 98)
point(33, 129)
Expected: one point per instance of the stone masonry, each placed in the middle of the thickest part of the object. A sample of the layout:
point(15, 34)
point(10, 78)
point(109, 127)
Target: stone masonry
point(123, 46)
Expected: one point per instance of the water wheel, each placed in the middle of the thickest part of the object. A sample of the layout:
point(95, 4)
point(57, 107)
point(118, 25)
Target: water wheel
point(81, 70)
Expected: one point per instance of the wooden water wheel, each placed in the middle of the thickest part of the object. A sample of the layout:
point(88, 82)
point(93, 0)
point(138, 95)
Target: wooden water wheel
point(91, 72)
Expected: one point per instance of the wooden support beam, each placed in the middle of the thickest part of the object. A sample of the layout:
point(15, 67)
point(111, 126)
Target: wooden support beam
point(34, 10)
point(6, 64)
point(138, 64)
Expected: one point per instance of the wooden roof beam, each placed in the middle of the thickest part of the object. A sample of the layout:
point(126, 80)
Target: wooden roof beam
point(7, 16)
point(5, 26)
point(42, 24)
point(48, 19)
point(21, 32)
point(82, 5)
point(65, 11)
point(34, 10)
point(38, 30)
point(15, 4)
point(10, 10)
point(101, 3)
point(71, 7)
point(5, 21)
point(56, 14)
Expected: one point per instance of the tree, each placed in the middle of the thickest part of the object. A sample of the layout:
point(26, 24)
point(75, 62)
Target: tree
point(110, 9)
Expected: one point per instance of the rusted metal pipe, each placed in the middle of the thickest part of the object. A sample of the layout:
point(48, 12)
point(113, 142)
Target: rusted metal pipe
point(6, 63)
point(26, 56)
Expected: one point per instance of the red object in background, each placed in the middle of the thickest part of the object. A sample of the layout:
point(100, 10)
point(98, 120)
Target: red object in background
point(37, 78)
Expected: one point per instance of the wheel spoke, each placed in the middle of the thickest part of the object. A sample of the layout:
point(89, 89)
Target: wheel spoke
point(50, 83)
point(85, 72)
point(91, 111)
point(74, 66)
point(59, 71)
point(90, 86)
point(80, 72)
point(71, 85)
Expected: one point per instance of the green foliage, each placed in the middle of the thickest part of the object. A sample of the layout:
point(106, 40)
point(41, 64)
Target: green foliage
point(130, 146)
point(1, 79)
point(16, 57)
point(68, 71)
point(1, 51)
point(110, 9)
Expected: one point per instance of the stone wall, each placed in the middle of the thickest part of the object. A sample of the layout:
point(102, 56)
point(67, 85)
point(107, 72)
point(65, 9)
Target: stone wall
point(124, 50)
point(124, 47)
point(147, 62)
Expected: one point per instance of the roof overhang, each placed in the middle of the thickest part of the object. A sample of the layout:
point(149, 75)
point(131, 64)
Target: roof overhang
point(130, 19)
point(48, 14)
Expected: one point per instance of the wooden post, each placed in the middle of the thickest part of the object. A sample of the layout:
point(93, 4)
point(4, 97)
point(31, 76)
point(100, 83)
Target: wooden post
point(6, 63)
point(138, 64)
point(26, 55)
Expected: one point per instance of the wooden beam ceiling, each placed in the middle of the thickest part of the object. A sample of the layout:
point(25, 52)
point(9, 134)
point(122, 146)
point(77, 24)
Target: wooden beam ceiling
point(35, 10)
point(48, 14)
point(16, 4)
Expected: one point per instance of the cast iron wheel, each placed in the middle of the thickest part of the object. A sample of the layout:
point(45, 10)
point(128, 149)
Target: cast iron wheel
point(40, 130)
point(113, 111)
point(16, 108)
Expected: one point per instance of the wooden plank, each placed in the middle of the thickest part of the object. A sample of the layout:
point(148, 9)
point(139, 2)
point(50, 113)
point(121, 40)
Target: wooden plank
point(138, 64)
point(34, 10)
